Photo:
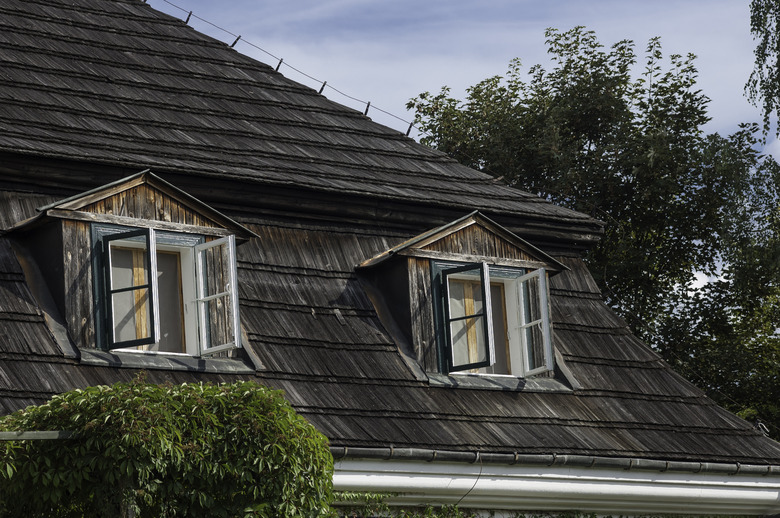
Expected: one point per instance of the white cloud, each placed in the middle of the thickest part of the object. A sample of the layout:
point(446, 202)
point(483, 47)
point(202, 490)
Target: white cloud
point(773, 148)
point(387, 52)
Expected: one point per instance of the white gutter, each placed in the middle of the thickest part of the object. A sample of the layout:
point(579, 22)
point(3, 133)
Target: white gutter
point(559, 488)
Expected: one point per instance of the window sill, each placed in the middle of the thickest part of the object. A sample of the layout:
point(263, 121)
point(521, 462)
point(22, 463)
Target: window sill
point(498, 382)
point(171, 362)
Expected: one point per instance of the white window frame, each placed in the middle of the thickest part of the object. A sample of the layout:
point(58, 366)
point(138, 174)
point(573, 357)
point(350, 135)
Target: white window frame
point(543, 321)
point(516, 322)
point(230, 292)
point(192, 286)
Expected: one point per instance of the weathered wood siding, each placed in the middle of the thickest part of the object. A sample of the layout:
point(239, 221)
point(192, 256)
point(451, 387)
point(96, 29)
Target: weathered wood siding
point(143, 202)
point(423, 324)
point(475, 240)
point(79, 291)
point(146, 202)
point(236, 134)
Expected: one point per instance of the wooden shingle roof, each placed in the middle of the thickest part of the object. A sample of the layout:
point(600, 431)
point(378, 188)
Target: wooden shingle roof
point(116, 82)
point(113, 84)
point(318, 338)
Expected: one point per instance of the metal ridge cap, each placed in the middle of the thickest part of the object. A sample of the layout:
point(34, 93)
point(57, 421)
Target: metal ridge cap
point(552, 459)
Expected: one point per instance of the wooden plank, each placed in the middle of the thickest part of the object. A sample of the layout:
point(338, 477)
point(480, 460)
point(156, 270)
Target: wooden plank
point(137, 222)
point(147, 203)
point(98, 195)
point(79, 292)
point(415, 303)
point(468, 258)
point(423, 325)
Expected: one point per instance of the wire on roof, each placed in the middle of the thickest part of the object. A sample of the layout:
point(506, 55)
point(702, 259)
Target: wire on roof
point(281, 62)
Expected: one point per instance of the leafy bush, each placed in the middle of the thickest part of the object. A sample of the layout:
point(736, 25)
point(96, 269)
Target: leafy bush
point(145, 450)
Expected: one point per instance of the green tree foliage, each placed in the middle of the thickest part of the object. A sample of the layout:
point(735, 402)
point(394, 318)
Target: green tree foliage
point(627, 148)
point(193, 450)
point(763, 86)
point(725, 335)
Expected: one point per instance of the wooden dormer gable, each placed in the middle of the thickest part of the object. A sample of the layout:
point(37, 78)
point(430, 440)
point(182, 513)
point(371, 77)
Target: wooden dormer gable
point(143, 199)
point(66, 250)
point(473, 238)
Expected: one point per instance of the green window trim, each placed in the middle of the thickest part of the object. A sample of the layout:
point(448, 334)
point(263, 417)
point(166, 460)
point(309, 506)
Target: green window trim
point(472, 326)
point(145, 305)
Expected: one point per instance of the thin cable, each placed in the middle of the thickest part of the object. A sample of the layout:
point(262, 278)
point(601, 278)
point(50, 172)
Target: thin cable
point(475, 482)
point(299, 71)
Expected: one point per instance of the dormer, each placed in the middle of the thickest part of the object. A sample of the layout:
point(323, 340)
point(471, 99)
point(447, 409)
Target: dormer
point(137, 266)
point(467, 297)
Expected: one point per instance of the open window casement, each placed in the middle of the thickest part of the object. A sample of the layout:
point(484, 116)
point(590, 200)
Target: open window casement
point(497, 320)
point(132, 297)
point(534, 322)
point(217, 298)
point(469, 317)
point(170, 292)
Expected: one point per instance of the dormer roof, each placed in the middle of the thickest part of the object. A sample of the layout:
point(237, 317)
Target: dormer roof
point(172, 208)
point(473, 237)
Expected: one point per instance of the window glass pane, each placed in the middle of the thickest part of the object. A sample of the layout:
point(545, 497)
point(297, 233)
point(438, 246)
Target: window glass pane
point(217, 297)
point(457, 300)
point(468, 341)
point(169, 294)
point(219, 321)
point(214, 277)
point(467, 334)
point(465, 297)
point(131, 308)
point(535, 346)
point(131, 317)
point(128, 267)
point(532, 322)
point(532, 308)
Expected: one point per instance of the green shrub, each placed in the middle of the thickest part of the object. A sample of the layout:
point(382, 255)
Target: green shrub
point(145, 450)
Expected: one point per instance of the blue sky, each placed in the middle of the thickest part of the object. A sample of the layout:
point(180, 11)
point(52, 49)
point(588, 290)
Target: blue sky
point(386, 51)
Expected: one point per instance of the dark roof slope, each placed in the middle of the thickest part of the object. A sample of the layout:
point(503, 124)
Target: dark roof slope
point(113, 82)
point(319, 339)
point(356, 389)
point(116, 82)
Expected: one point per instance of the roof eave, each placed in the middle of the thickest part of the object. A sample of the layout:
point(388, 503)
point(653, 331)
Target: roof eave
point(588, 484)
